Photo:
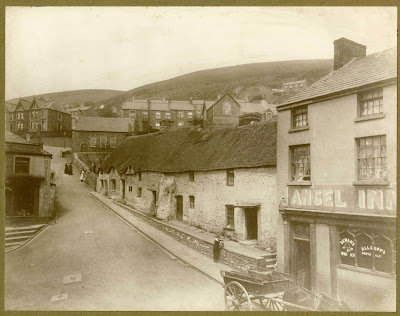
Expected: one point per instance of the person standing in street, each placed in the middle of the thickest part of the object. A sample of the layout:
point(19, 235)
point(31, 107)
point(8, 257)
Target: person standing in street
point(66, 169)
point(82, 177)
point(218, 245)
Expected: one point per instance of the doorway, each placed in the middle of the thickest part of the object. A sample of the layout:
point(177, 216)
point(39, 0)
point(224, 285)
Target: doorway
point(179, 207)
point(123, 189)
point(302, 265)
point(251, 223)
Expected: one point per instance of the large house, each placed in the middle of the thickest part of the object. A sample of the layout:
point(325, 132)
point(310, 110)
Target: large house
point(99, 134)
point(37, 116)
point(28, 192)
point(337, 180)
point(221, 180)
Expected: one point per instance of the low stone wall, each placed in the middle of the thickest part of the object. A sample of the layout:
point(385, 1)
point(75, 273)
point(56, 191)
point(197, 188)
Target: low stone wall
point(230, 258)
point(90, 177)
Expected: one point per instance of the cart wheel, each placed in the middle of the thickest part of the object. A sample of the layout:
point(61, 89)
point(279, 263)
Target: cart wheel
point(236, 297)
point(273, 305)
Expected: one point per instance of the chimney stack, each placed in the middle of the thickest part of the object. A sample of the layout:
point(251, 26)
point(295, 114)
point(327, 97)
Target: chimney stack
point(345, 50)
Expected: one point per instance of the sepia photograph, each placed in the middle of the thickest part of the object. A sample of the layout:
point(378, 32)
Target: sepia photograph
point(200, 158)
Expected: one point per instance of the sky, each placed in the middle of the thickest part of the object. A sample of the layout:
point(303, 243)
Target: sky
point(53, 49)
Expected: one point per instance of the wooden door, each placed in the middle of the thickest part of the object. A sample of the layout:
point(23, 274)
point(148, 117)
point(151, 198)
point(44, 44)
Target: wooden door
point(179, 207)
point(302, 263)
point(251, 224)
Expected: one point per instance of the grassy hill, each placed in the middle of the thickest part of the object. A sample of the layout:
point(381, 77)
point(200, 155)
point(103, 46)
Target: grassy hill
point(78, 96)
point(251, 81)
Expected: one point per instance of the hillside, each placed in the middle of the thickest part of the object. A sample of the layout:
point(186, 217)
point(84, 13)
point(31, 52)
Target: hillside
point(78, 96)
point(251, 81)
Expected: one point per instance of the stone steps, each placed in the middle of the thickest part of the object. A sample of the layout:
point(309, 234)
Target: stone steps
point(17, 236)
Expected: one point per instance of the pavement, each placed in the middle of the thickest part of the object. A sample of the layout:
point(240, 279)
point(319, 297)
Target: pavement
point(92, 259)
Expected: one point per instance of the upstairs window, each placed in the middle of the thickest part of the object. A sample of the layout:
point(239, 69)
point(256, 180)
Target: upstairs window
point(167, 115)
point(21, 165)
point(230, 216)
point(11, 126)
point(191, 201)
point(158, 115)
point(190, 115)
point(230, 177)
point(103, 141)
point(371, 102)
point(180, 114)
point(144, 115)
point(93, 141)
point(20, 125)
point(130, 188)
point(300, 162)
point(191, 176)
point(372, 158)
point(226, 108)
point(157, 125)
point(11, 116)
point(20, 115)
point(113, 141)
point(132, 114)
point(300, 117)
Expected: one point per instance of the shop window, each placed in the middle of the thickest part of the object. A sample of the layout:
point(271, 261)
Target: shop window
point(21, 165)
point(191, 176)
point(139, 192)
point(113, 185)
point(230, 177)
point(191, 201)
point(300, 163)
point(368, 249)
point(371, 102)
point(372, 158)
point(113, 141)
point(300, 116)
point(230, 218)
point(93, 141)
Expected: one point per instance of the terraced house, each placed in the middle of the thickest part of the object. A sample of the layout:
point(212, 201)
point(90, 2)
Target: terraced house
point(220, 180)
point(37, 115)
point(337, 180)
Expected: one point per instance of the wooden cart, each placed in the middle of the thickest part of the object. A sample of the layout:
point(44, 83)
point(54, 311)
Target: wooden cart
point(246, 291)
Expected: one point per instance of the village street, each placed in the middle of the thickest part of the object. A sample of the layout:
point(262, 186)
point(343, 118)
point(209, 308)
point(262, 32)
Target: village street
point(120, 269)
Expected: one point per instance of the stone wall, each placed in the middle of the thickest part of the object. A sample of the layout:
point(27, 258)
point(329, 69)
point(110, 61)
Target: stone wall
point(91, 177)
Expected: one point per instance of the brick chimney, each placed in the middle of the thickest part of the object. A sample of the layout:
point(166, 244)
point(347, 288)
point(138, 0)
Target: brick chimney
point(345, 50)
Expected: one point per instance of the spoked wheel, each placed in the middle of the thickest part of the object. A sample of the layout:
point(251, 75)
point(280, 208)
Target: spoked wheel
point(273, 305)
point(236, 297)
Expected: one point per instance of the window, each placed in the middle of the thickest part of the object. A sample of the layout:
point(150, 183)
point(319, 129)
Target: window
point(113, 141)
point(11, 126)
point(44, 126)
point(11, 116)
point(144, 115)
point(300, 161)
point(230, 216)
point(191, 176)
point(93, 141)
point(158, 115)
point(190, 115)
point(34, 114)
point(300, 116)
point(226, 108)
point(132, 114)
point(59, 126)
point(139, 192)
point(139, 176)
point(21, 165)
point(59, 116)
point(157, 125)
point(230, 177)
point(32, 125)
point(180, 124)
point(180, 114)
point(368, 249)
point(113, 185)
point(191, 201)
point(371, 102)
point(103, 141)
point(372, 158)
point(20, 125)
point(167, 115)
point(20, 115)
point(130, 188)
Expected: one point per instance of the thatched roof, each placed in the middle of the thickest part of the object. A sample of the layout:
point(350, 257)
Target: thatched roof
point(191, 149)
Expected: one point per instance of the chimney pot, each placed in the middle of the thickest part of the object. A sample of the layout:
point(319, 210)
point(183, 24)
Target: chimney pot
point(345, 50)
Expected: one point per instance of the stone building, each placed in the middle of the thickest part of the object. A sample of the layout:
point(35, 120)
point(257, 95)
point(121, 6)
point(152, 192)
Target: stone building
point(37, 116)
point(99, 134)
point(29, 195)
point(220, 180)
point(337, 182)
point(294, 86)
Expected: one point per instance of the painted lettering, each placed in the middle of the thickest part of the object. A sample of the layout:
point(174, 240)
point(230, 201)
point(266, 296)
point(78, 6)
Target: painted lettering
point(317, 197)
point(390, 199)
point(338, 201)
point(296, 197)
point(327, 197)
point(306, 197)
point(361, 198)
point(375, 198)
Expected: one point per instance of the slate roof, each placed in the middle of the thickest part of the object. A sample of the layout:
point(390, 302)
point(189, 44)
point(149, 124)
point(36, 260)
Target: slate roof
point(185, 149)
point(41, 104)
point(103, 124)
point(181, 106)
point(159, 105)
point(135, 105)
point(357, 73)
point(10, 107)
point(12, 138)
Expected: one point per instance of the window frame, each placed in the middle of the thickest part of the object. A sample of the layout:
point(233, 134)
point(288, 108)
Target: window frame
point(362, 98)
point(191, 201)
point(157, 125)
point(103, 141)
point(158, 115)
point(180, 114)
point(372, 147)
point(230, 216)
point(167, 115)
point(294, 116)
point(145, 115)
point(292, 172)
point(113, 185)
point(230, 177)
point(92, 143)
point(113, 141)
point(190, 115)
point(27, 162)
point(132, 114)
